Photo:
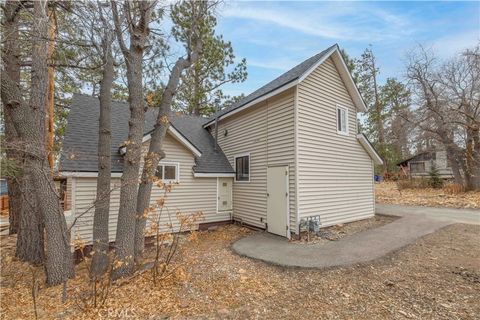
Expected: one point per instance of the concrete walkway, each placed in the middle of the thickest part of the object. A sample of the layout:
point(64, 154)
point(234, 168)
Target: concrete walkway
point(469, 216)
point(361, 247)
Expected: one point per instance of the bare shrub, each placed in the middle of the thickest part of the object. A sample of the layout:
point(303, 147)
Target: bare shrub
point(413, 183)
point(454, 188)
point(166, 228)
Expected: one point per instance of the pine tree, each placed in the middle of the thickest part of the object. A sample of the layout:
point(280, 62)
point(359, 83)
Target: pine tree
point(435, 180)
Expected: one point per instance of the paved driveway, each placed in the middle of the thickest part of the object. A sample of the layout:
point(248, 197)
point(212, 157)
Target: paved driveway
point(362, 247)
point(468, 216)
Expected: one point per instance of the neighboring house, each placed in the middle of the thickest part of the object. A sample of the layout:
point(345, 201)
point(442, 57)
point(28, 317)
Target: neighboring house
point(3, 195)
point(289, 151)
point(420, 164)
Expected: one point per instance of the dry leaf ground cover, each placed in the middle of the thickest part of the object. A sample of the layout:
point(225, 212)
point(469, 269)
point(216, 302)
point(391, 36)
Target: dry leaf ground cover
point(388, 193)
point(436, 278)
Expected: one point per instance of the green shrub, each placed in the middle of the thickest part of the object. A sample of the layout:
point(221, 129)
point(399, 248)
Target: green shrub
point(435, 180)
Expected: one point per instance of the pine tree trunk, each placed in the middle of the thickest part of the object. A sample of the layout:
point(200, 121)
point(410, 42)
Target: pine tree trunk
point(30, 239)
point(125, 235)
point(29, 246)
point(155, 153)
point(379, 119)
point(102, 202)
point(12, 68)
point(29, 123)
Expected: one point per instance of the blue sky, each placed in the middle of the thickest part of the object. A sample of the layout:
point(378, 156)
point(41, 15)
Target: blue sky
point(275, 36)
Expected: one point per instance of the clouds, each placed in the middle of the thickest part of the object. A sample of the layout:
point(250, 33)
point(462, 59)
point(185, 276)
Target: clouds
point(275, 36)
point(338, 21)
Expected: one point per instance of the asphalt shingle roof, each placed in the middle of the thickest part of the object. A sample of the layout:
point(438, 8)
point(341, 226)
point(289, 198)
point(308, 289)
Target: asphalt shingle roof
point(289, 76)
point(81, 137)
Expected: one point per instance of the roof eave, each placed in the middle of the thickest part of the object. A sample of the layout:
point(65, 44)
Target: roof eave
point(336, 55)
point(177, 135)
point(213, 174)
point(345, 74)
point(279, 90)
point(369, 149)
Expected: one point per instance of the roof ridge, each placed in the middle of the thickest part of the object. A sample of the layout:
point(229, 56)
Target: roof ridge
point(290, 75)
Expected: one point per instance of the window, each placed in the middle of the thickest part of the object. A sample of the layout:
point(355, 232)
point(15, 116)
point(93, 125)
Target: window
point(242, 168)
point(168, 172)
point(342, 120)
point(417, 167)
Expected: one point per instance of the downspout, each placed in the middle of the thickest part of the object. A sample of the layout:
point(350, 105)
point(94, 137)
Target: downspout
point(216, 134)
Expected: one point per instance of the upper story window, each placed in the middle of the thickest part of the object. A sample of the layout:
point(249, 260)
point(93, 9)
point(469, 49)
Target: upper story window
point(168, 172)
point(242, 168)
point(342, 120)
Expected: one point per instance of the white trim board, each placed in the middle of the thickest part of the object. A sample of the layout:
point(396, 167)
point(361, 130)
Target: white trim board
point(342, 69)
point(175, 134)
point(213, 175)
point(339, 107)
point(254, 102)
point(370, 150)
point(83, 174)
point(177, 171)
point(240, 155)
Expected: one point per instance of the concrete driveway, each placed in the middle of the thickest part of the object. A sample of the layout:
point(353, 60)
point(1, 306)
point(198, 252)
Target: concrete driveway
point(362, 247)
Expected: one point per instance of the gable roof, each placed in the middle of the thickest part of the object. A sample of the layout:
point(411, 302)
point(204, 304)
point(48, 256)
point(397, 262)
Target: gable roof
point(81, 137)
point(291, 78)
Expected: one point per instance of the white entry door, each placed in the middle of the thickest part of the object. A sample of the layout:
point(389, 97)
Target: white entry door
point(224, 194)
point(277, 200)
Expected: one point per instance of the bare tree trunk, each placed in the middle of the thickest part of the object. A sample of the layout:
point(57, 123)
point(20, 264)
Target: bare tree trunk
point(125, 235)
point(155, 154)
point(455, 162)
point(12, 68)
point(476, 156)
point(29, 122)
point(102, 202)
point(472, 159)
point(199, 11)
point(50, 105)
point(14, 203)
point(30, 239)
point(24, 217)
point(379, 118)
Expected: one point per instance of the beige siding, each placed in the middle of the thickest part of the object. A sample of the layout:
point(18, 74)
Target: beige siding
point(335, 172)
point(266, 131)
point(189, 196)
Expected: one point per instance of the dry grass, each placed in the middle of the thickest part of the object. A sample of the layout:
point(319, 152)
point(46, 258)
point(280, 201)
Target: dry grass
point(388, 193)
point(437, 278)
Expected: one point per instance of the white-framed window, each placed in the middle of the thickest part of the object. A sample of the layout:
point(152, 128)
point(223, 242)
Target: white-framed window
point(242, 167)
point(342, 120)
point(168, 171)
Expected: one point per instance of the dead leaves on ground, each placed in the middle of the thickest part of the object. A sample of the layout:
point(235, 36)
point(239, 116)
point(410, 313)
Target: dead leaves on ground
point(436, 278)
point(388, 193)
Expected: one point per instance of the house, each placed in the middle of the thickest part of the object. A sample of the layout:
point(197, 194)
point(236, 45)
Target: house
point(288, 152)
point(420, 165)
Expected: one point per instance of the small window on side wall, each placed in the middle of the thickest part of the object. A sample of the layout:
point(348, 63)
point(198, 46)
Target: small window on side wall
point(167, 172)
point(242, 168)
point(342, 120)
